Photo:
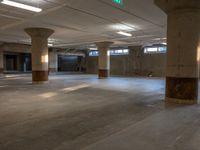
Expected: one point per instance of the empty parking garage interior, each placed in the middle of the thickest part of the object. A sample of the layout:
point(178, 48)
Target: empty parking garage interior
point(99, 74)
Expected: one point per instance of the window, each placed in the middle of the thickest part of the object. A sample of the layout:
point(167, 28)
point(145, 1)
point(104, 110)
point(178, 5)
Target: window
point(162, 49)
point(119, 52)
point(151, 49)
point(157, 49)
point(125, 51)
point(112, 52)
point(94, 53)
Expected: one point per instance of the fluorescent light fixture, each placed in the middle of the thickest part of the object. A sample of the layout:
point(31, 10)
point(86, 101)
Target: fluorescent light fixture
point(158, 39)
point(50, 44)
point(93, 49)
point(164, 43)
point(20, 5)
point(122, 27)
point(124, 33)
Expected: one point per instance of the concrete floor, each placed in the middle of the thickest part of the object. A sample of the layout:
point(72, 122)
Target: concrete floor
point(81, 112)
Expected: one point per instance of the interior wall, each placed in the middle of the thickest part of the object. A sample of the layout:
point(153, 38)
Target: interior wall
point(136, 63)
point(154, 64)
point(20, 62)
point(70, 63)
point(11, 63)
point(17, 48)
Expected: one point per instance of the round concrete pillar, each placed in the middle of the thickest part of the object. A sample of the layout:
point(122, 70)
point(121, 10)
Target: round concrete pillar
point(53, 61)
point(183, 38)
point(39, 50)
point(104, 59)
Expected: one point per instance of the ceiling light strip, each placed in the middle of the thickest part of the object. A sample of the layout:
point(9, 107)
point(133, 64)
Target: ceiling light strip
point(124, 33)
point(22, 6)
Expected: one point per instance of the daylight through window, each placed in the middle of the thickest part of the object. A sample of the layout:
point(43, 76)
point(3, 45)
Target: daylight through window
point(112, 52)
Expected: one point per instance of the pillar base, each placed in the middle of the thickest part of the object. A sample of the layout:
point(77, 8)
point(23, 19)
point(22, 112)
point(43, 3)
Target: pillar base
point(40, 76)
point(52, 70)
point(180, 101)
point(182, 88)
point(103, 73)
point(1, 70)
point(40, 82)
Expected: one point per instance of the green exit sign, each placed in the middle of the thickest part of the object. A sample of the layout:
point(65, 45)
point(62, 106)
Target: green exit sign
point(120, 2)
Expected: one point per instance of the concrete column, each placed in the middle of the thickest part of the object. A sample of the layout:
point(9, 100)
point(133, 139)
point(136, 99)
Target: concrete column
point(1, 62)
point(183, 38)
point(135, 60)
point(39, 49)
point(104, 59)
point(53, 61)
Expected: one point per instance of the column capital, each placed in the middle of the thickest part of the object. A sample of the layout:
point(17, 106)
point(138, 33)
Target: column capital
point(171, 5)
point(39, 32)
point(105, 44)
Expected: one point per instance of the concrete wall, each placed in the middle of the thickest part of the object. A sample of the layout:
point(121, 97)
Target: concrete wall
point(69, 63)
point(15, 58)
point(155, 63)
point(14, 47)
point(17, 61)
point(136, 63)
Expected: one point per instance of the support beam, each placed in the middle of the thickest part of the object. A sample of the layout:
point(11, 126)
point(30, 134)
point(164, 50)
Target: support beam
point(39, 49)
point(183, 38)
point(104, 59)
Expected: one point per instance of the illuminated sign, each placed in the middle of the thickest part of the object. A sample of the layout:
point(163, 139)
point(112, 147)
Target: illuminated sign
point(119, 2)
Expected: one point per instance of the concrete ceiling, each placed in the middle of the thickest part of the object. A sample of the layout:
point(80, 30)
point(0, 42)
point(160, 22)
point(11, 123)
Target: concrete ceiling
point(80, 23)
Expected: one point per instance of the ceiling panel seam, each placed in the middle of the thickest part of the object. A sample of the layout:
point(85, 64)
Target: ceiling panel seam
point(132, 14)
